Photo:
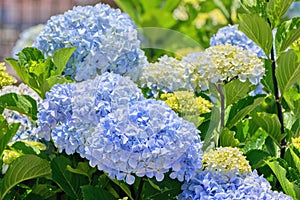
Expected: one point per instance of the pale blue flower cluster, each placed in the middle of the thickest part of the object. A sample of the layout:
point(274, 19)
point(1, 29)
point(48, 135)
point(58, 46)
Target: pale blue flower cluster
point(231, 35)
point(148, 139)
point(25, 131)
point(70, 112)
point(108, 121)
point(106, 40)
point(214, 185)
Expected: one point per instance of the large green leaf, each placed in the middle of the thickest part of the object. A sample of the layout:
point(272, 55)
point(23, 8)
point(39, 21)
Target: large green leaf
point(24, 168)
point(170, 5)
point(157, 17)
point(235, 90)
point(288, 70)
point(24, 104)
point(286, 34)
point(276, 9)
point(92, 193)
point(269, 123)
point(258, 30)
point(69, 182)
point(288, 187)
point(242, 108)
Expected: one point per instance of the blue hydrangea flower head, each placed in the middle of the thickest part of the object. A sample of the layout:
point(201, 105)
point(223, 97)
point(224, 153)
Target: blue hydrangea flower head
point(71, 111)
point(25, 131)
point(106, 40)
point(211, 185)
point(145, 138)
point(231, 35)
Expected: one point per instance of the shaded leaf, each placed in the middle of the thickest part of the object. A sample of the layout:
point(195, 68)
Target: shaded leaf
point(288, 187)
point(256, 157)
point(227, 138)
point(7, 132)
point(69, 182)
point(92, 193)
point(269, 123)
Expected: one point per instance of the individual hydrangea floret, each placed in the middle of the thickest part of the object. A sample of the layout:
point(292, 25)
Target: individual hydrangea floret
point(27, 38)
point(5, 78)
point(146, 138)
point(226, 159)
point(224, 63)
point(211, 185)
point(25, 131)
point(106, 40)
point(71, 111)
point(169, 74)
point(231, 35)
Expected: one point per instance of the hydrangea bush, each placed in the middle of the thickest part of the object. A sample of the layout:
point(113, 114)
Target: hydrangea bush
point(94, 120)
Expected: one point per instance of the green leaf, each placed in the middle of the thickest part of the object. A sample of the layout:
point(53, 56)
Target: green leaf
point(91, 193)
point(61, 57)
point(42, 192)
point(24, 168)
point(7, 132)
point(21, 72)
point(292, 159)
point(258, 30)
point(24, 104)
point(272, 149)
point(242, 108)
point(276, 9)
point(267, 80)
point(286, 34)
point(235, 90)
point(123, 186)
point(30, 53)
point(288, 187)
point(255, 141)
point(83, 168)
point(69, 182)
point(256, 157)
point(166, 189)
point(269, 123)
point(288, 70)
point(227, 138)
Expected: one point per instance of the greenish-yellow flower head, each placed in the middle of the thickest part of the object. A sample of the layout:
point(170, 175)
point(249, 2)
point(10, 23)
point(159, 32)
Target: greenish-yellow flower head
point(296, 143)
point(5, 78)
point(187, 105)
point(226, 159)
point(10, 155)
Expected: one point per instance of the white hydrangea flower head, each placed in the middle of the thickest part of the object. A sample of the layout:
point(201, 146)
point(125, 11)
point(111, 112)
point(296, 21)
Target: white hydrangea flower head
point(169, 74)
